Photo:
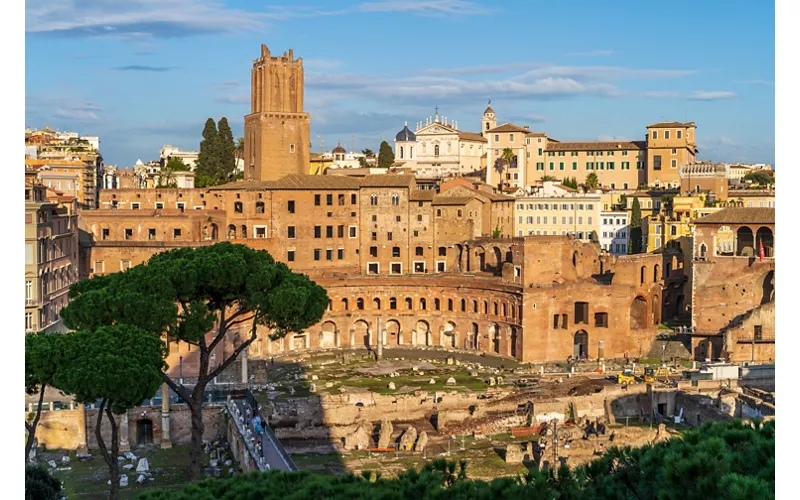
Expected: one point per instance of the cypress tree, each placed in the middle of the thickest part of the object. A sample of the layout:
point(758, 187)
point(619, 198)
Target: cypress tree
point(207, 161)
point(635, 244)
point(385, 155)
point(226, 151)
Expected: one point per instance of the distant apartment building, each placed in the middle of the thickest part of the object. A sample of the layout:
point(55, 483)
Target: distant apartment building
point(669, 145)
point(189, 158)
point(614, 232)
point(51, 254)
point(558, 210)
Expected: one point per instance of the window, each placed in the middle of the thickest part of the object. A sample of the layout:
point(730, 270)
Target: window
point(134, 206)
point(423, 304)
point(418, 251)
point(374, 236)
point(441, 266)
point(657, 162)
point(510, 137)
point(611, 165)
point(442, 251)
point(329, 199)
point(28, 321)
point(176, 234)
point(317, 200)
point(290, 206)
point(290, 256)
point(496, 137)
point(105, 233)
point(437, 304)
point(317, 231)
point(329, 254)
point(674, 163)
point(290, 232)
point(574, 165)
point(395, 200)
point(159, 205)
point(561, 165)
point(373, 200)
point(329, 231)
point(758, 333)
point(99, 267)
point(373, 251)
point(409, 304)
point(419, 267)
point(601, 320)
point(374, 218)
point(419, 218)
point(389, 236)
point(316, 253)
point(397, 218)
point(581, 312)
point(352, 231)
point(438, 212)
point(539, 165)
point(679, 133)
point(395, 251)
point(655, 134)
point(151, 234)
point(666, 134)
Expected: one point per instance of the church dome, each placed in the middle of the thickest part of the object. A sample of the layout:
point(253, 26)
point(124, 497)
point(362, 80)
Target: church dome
point(405, 135)
point(339, 149)
point(488, 110)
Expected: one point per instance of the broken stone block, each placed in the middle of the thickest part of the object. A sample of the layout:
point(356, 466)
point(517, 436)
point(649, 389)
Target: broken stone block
point(473, 374)
point(422, 442)
point(422, 373)
point(143, 466)
point(65, 459)
point(314, 377)
point(120, 459)
point(432, 381)
point(228, 463)
point(312, 388)
point(130, 456)
point(408, 438)
point(64, 468)
point(450, 381)
point(123, 480)
point(329, 384)
point(414, 368)
point(213, 463)
point(391, 386)
point(385, 437)
point(492, 381)
point(52, 464)
point(513, 454)
point(127, 467)
point(140, 479)
point(499, 380)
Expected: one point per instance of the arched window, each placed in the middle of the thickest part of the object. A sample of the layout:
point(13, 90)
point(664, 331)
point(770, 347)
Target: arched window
point(459, 212)
point(344, 304)
point(505, 311)
point(409, 303)
point(449, 304)
point(360, 304)
point(393, 303)
point(395, 200)
point(656, 270)
point(244, 232)
point(436, 150)
point(641, 275)
point(703, 250)
point(485, 307)
point(401, 151)
point(438, 212)
point(437, 304)
point(423, 304)
point(463, 305)
point(376, 303)
point(495, 308)
point(475, 306)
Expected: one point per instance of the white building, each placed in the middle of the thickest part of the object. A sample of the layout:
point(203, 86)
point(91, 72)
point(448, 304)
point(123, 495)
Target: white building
point(437, 148)
point(189, 157)
point(614, 232)
point(93, 141)
point(553, 209)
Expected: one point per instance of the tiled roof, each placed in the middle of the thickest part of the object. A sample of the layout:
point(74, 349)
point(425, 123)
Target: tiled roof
point(740, 216)
point(509, 127)
point(388, 180)
point(671, 125)
point(537, 134)
point(497, 197)
point(299, 181)
point(595, 146)
point(471, 136)
point(243, 185)
point(422, 195)
point(452, 200)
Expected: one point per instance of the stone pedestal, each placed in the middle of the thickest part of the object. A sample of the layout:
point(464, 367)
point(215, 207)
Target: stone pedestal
point(166, 441)
point(124, 445)
point(82, 446)
point(244, 365)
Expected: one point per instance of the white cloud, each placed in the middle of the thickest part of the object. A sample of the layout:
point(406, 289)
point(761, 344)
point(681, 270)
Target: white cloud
point(425, 7)
point(764, 83)
point(663, 94)
point(700, 95)
point(602, 73)
point(83, 115)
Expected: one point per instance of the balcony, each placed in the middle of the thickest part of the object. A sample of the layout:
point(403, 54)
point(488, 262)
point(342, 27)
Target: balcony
point(31, 302)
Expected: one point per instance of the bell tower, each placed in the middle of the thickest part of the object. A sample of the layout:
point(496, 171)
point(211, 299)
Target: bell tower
point(277, 131)
point(489, 119)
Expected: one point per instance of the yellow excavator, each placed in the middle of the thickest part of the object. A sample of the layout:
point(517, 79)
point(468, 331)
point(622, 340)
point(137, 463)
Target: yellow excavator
point(626, 377)
point(651, 375)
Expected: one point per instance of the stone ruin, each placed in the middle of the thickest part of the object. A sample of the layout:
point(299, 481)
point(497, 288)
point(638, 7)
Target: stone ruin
point(357, 440)
point(517, 453)
point(408, 438)
point(385, 436)
point(422, 442)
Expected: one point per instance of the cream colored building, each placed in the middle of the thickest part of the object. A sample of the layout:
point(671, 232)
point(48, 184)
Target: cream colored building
point(669, 145)
point(553, 210)
point(437, 148)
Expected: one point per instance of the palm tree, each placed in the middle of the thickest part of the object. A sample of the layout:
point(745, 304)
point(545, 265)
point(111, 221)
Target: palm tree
point(546, 178)
point(239, 151)
point(591, 182)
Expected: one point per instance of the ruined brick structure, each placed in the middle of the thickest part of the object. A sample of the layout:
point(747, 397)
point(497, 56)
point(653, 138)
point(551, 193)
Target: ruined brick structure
point(426, 264)
point(277, 131)
point(733, 289)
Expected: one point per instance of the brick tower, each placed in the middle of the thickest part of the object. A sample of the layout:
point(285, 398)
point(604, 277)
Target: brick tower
point(277, 131)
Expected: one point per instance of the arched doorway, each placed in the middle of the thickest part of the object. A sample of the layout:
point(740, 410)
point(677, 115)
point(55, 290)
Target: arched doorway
point(421, 335)
point(656, 310)
point(744, 242)
point(393, 334)
point(639, 313)
point(494, 334)
point(765, 238)
point(768, 287)
point(580, 344)
point(449, 335)
point(231, 232)
point(144, 432)
point(476, 342)
point(679, 305)
point(327, 334)
point(514, 342)
point(498, 260)
point(362, 336)
point(480, 257)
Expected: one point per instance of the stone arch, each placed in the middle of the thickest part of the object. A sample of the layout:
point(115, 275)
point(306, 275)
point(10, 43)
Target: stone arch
point(231, 232)
point(656, 272)
point(768, 287)
point(392, 304)
point(449, 336)
point(394, 334)
point(244, 232)
point(744, 242)
point(423, 304)
point(360, 304)
point(463, 305)
point(505, 310)
point(214, 231)
point(639, 313)
point(422, 333)
point(476, 336)
point(344, 304)
point(449, 304)
point(498, 260)
point(409, 303)
point(363, 336)
point(765, 237)
point(327, 334)
point(494, 336)
point(515, 340)
point(580, 344)
point(144, 432)
point(376, 304)
point(480, 259)
point(437, 304)
point(656, 310)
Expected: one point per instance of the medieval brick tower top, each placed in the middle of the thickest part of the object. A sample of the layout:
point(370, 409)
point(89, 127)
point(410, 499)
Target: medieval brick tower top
point(277, 131)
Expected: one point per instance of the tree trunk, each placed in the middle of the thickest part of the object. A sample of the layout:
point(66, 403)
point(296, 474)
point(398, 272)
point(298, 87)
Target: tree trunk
point(110, 458)
point(32, 426)
point(198, 428)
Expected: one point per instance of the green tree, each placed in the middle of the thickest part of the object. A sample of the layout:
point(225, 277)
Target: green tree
point(201, 296)
point(118, 365)
point(570, 182)
point(547, 178)
point(239, 149)
point(207, 166)
point(42, 359)
point(635, 242)
point(508, 156)
point(759, 177)
point(591, 182)
point(368, 153)
point(385, 155)
point(226, 151)
point(40, 485)
point(166, 178)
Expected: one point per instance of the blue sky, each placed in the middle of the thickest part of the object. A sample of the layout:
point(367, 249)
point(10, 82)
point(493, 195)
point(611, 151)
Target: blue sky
point(145, 73)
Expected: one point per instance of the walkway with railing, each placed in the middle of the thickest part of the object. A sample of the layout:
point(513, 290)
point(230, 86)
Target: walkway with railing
point(265, 449)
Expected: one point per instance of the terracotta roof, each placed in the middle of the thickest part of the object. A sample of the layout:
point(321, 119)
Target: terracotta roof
point(497, 197)
point(452, 200)
point(388, 180)
point(671, 125)
point(243, 185)
point(537, 134)
point(422, 195)
point(471, 136)
point(298, 181)
point(509, 127)
point(740, 216)
point(567, 188)
point(595, 146)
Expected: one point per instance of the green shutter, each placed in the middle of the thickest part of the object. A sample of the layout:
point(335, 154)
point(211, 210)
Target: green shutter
point(574, 165)
point(551, 165)
point(611, 165)
point(561, 165)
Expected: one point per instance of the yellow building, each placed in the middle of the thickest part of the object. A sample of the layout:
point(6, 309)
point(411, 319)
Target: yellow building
point(752, 198)
point(675, 219)
point(669, 145)
point(558, 210)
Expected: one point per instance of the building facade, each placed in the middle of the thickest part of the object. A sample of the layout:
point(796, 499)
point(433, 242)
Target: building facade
point(614, 232)
point(558, 210)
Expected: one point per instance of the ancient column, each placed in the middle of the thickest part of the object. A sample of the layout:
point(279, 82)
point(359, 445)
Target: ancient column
point(352, 337)
point(244, 365)
point(166, 441)
point(124, 445)
point(336, 337)
point(82, 446)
